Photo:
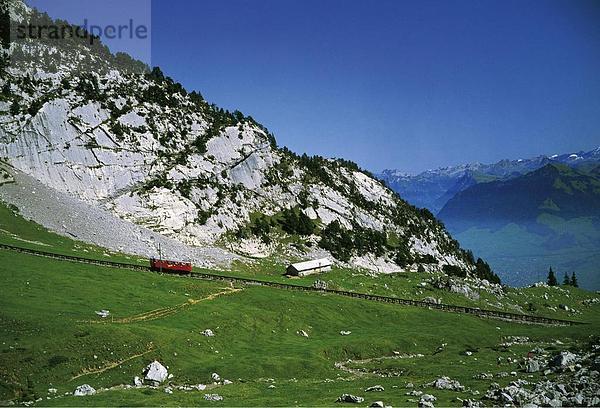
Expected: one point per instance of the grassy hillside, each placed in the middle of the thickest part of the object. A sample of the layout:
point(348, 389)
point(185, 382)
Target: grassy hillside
point(255, 338)
point(51, 337)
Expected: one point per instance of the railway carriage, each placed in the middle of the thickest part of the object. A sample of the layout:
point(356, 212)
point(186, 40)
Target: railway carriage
point(164, 265)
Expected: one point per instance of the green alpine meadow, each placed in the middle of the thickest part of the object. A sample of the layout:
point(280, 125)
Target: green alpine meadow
point(277, 204)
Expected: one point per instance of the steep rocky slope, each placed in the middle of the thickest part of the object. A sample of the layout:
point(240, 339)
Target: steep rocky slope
point(107, 131)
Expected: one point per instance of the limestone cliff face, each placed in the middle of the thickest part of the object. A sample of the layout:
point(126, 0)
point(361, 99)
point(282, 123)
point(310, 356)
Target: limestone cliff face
point(138, 144)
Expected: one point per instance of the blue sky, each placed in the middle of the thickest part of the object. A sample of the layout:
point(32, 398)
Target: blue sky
point(389, 84)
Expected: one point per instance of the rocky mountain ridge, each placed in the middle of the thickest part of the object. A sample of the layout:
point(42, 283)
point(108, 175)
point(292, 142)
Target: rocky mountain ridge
point(138, 144)
point(432, 189)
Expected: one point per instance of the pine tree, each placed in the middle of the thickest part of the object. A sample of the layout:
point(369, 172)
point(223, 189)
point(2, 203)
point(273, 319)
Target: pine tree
point(552, 278)
point(566, 280)
point(15, 108)
point(574, 282)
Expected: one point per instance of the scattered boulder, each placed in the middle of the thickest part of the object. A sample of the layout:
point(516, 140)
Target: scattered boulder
point(319, 284)
point(168, 390)
point(345, 332)
point(215, 377)
point(532, 366)
point(427, 401)
point(302, 333)
point(156, 372)
point(440, 348)
point(213, 397)
point(483, 376)
point(84, 390)
point(414, 393)
point(137, 381)
point(375, 388)
point(377, 404)
point(591, 301)
point(207, 333)
point(353, 399)
point(564, 359)
point(227, 382)
point(511, 340)
point(446, 383)
point(103, 313)
point(52, 390)
point(464, 290)
point(431, 299)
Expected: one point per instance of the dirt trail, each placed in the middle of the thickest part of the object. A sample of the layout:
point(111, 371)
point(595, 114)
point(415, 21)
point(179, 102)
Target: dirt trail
point(111, 365)
point(165, 311)
point(343, 365)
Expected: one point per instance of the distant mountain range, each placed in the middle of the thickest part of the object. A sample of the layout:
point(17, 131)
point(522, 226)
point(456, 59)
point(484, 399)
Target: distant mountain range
point(522, 216)
point(554, 189)
point(432, 189)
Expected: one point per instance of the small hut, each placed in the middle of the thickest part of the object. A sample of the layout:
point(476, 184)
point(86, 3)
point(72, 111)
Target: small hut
point(309, 267)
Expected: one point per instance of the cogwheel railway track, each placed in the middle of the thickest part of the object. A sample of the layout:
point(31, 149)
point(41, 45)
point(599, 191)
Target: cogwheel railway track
point(515, 317)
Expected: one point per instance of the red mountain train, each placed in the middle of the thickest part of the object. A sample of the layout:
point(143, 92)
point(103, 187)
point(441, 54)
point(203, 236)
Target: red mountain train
point(169, 266)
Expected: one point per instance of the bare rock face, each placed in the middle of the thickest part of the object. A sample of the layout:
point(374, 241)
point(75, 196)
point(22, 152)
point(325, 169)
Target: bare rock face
point(140, 147)
point(156, 372)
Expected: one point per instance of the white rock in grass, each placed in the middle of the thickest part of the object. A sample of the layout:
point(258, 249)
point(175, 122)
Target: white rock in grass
point(427, 401)
point(350, 398)
point(84, 390)
point(137, 381)
point(213, 397)
point(155, 371)
point(207, 333)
